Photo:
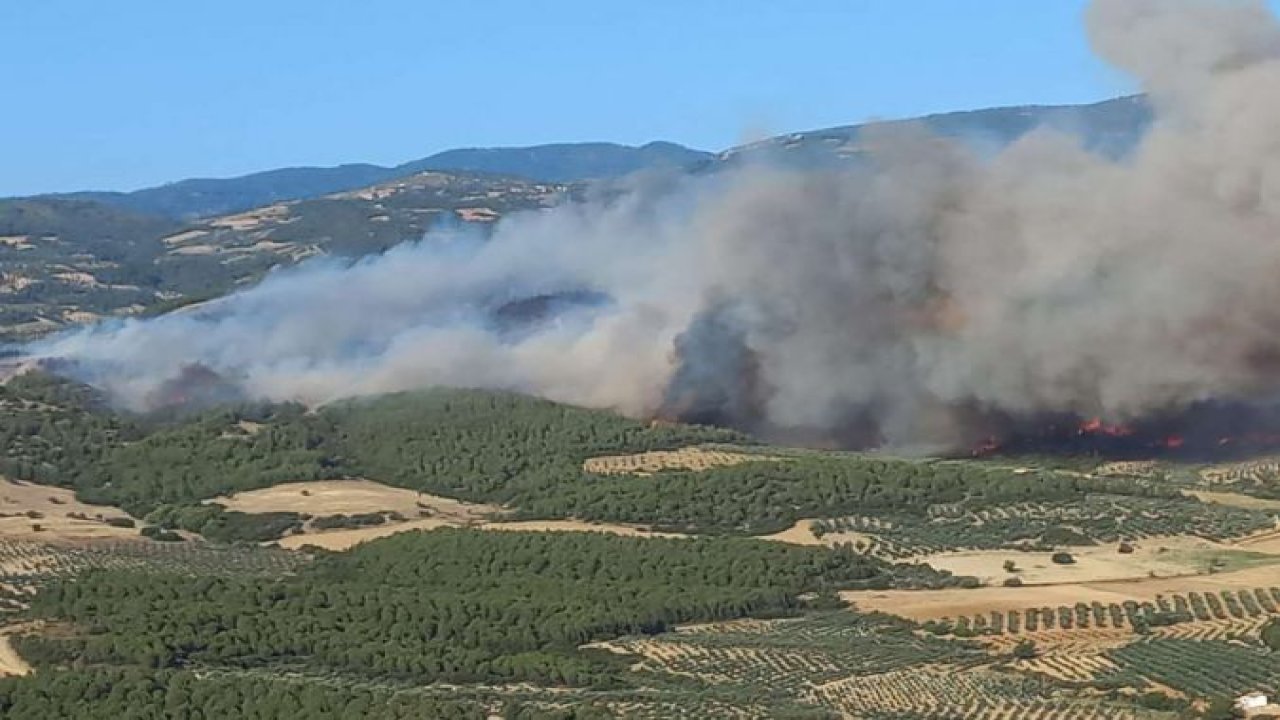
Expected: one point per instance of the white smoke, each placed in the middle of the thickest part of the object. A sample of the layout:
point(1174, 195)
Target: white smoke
point(929, 279)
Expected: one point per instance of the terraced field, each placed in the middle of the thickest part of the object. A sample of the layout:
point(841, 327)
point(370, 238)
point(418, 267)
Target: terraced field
point(1194, 615)
point(948, 692)
point(862, 666)
point(1097, 519)
point(27, 565)
point(692, 459)
point(1255, 474)
point(1213, 668)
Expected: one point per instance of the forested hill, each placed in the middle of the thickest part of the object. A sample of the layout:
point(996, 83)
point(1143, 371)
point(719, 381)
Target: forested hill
point(482, 617)
point(519, 452)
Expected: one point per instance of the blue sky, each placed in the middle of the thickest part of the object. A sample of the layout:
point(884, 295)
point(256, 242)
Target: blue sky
point(125, 94)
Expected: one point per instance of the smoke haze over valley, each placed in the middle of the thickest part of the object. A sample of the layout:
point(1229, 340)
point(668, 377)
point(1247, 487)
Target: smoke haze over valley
point(909, 299)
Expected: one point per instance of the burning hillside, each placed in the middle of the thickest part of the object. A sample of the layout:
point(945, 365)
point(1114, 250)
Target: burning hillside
point(1204, 431)
point(927, 297)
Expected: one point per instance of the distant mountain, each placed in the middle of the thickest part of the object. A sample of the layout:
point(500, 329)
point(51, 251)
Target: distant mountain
point(564, 163)
point(572, 162)
point(1111, 127)
point(196, 198)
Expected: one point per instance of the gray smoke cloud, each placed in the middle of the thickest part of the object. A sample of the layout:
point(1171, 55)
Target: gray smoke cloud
point(900, 295)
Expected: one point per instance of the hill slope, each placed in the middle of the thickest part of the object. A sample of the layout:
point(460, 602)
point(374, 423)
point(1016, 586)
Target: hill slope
point(568, 162)
point(66, 261)
point(1110, 127)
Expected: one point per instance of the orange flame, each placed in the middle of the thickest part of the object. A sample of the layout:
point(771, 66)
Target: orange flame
point(1095, 426)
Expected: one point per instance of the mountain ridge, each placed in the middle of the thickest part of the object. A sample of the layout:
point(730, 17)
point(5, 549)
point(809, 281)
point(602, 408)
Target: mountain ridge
point(1111, 127)
point(197, 198)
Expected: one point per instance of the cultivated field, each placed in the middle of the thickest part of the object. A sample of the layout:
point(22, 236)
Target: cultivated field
point(11, 663)
point(346, 539)
point(54, 515)
point(861, 667)
point(1247, 502)
point(404, 510)
point(575, 526)
point(693, 458)
point(330, 497)
point(1153, 557)
point(924, 605)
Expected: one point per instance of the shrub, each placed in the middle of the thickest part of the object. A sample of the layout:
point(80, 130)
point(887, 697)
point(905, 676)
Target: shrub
point(1063, 558)
point(332, 522)
point(1271, 634)
point(1024, 650)
point(159, 534)
point(1062, 535)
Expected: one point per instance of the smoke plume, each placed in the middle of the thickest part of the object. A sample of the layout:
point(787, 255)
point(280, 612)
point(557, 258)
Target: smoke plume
point(894, 301)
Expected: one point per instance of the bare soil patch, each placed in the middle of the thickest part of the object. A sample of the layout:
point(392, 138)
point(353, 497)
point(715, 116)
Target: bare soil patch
point(953, 602)
point(1247, 502)
point(692, 458)
point(419, 511)
point(799, 534)
point(252, 219)
point(576, 526)
point(422, 512)
point(477, 214)
point(346, 539)
point(349, 497)
point(195, 250)
point(183, 237)
point(802, 534)
point(1153, 557)
point(1268, 542)
point(11, 663)
point(48, 514)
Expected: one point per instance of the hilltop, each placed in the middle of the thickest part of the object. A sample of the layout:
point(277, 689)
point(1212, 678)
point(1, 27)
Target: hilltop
point(558, 163)
point(1111, 128)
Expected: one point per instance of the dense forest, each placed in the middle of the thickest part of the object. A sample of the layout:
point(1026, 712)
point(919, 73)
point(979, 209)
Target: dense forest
point(139, 694)
point(448, 605)
point(481, 446)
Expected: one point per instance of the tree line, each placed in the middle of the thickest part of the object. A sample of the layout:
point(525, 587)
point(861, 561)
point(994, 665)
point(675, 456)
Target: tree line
point(474, 445)
point(140, 694)
point(449, 605)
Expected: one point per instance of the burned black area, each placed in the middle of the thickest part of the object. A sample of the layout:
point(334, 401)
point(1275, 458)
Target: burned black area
point(522, 315)
point(196, 387)
point(1206, 431)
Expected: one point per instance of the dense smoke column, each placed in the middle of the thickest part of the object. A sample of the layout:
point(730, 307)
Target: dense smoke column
point(926, 296)
point(717, 377)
